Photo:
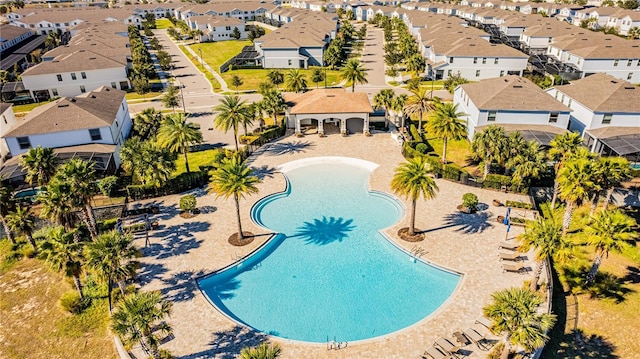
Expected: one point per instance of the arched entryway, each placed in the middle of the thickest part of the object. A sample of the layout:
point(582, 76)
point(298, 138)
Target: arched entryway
point(355, 125)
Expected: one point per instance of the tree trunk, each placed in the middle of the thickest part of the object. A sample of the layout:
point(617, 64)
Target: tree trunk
point(235, 137)
point(412, 225)
point(78, 284)
point(186, 160)
point(109, 291)
point(237, 200)
point(420, 122)
point(533, 286)
point(7, 231)
point(353, 87)
point(594, 268)
point(555, 193)
point(31, 240)
point(121, 286)
point(594, 203)
point(487, 166)
point(444, 150)
point(566, 221)
point(607, 199)
point(86, 216)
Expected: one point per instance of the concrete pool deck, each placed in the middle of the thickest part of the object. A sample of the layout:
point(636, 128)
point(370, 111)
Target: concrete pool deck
point(183, 249)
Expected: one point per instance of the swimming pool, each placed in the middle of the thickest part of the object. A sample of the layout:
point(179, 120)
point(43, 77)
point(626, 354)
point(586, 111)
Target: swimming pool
point(28, 194)
point(329, 273)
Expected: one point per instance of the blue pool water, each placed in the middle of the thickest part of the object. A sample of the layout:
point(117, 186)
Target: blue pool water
point(329, 273)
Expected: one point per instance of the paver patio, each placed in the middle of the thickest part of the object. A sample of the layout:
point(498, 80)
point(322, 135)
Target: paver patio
point(183, 249)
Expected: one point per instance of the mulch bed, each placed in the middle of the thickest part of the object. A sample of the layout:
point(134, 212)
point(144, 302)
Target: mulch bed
point(187, 215)
point(235, 240)
point(403, 233)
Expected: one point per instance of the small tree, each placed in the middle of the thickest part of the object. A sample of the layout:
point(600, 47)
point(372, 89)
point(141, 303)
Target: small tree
point(470, 201)
point(236, 33)
point(453, 81)
point(236, 81)
point(317, 76)
point(164, 60)
point(141, 85)
point(188, 203)
point(170, 98)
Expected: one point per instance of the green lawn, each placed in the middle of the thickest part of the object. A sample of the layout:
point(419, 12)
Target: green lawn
point(216, 53)
point(458, 152)
point(251, 78)
point(163, 24)
point(137, 96)
point(28, 107)
point(196, 159)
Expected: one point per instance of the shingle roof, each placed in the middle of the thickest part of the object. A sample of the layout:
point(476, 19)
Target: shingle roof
point(4, 106)
point(78, 60)
point(511, 93)
point(91, 110)
point(328, 101)
point(604, 93)
point(10, 32)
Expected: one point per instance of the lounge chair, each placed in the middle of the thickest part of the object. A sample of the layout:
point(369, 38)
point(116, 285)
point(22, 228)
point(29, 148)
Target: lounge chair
point(480, 340)
point(435, 353)
point(484, 321)
point(510, 255)
point(448, 347)
point(512, 245)
point(513, 267)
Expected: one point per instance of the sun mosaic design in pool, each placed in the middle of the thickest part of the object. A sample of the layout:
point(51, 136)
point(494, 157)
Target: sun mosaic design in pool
point(329, 274)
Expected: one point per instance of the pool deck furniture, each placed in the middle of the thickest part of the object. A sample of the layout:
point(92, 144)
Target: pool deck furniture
point(513, 267)
point(460, 338)
point(484, 321)
point(512, 245)
point(435, 353)
point(450, 348)
point(475, 335)
point(510, 255)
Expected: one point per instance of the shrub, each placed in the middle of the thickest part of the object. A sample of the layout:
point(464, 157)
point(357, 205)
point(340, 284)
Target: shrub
point(188, 203)
point(518, 204)
point(107, 224)
point(451, 172)
point(421, 147)
point(183, 182)
point(248, 139)
point(496, 181)
point(71, 302)
point(408, 151)
point(415, 134)
point(470, 201)
point(108, 186)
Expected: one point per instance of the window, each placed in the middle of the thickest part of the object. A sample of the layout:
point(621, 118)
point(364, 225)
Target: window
point(83, 89)
point(495, 61)
point(615, 62)
point(630, 76)
point(24, 143)
point(491, 117)
point(606, 118)
point(451, 60)
point(629, 62)
point(477, 73)
point(501, 73)
point(553, 117)
point(54, 92)
point(449, 72)
point(475, 60)
point(4, 119)
point(84, 75)
point(569, 103)
point(95, 134)
point(113, 84)
point(59, 77)
point(73, 76)
point(484, 60)
point(289, 62)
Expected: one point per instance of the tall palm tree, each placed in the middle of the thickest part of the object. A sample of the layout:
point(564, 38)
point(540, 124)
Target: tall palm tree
point(40, 164)
point(612, 171)
point(411, 180)
point(446, 121)
point(545, 236)
point(276, 77)
point(419, 102)
point(110, 255)
point(137, 319)
point(398, 106)
point(63, 254)
point(488, 144)
point(147, 122)
point(575, 184)
point(262, 351)
point(609, 231)
point(528, 162)
point(354, 72)
point(296, 81)
point(234, 179)
point(514, 313)
point(232, 112)
point(177, 134)
point(22, 221)
point(416, 63)
point(6, 205)
point(81, 175)
point(561, 148)
point(384, 99)
point(57, 203)
point(273, 103)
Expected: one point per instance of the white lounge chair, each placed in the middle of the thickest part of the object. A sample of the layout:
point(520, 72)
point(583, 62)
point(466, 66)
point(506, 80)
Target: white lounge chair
point(510, 255)
point(512, 245)
point(484, 321)
point(513, 267)
point(435, 353)
point(448, 347)
point(480, 340)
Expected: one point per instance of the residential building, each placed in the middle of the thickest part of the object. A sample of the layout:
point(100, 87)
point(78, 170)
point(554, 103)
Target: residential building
point(7, 120)
point(217, 28)
point(514, 103)
point(12, 35)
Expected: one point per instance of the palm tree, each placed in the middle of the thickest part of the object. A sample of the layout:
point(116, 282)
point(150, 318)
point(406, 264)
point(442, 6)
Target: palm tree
point(40, 164)
point(545, 235)
point(528, 162)
point(419, 102)
point(171, 97)
point(562, 147)
point(232, 113)
point(296, 81)
point(22, 221)
point(398, 106)
point(81, 175)
point(633, 33)
point(56, 201)
point(416, 63)
point(384, 99)
point(138, 317)
point(575, 184)
point(488, 144)
point(262, 351)
point(411, 180)
point(6, 205)
point(273, 103)
point(612, 171)
point(147, 122)
point(514, 313)
point(609, 231)
point(234, 178)
point(177, 134)
point(276, 77)
point(354, 72)
point(110, 255)
point(63, 254)
point(445, 121)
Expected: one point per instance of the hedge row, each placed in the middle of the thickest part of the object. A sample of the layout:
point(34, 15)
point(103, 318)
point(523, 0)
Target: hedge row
point(518, 204)
point(181, 183)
